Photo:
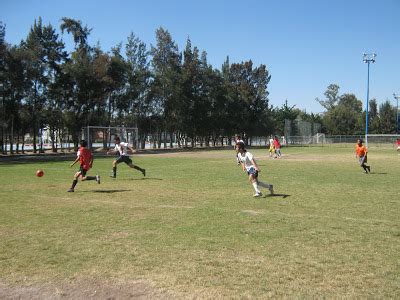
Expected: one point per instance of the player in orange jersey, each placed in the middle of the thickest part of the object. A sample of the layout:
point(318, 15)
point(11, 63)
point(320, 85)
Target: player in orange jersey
point(361, 153)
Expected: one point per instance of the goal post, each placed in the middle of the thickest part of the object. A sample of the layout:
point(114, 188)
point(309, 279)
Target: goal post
point(100, 137)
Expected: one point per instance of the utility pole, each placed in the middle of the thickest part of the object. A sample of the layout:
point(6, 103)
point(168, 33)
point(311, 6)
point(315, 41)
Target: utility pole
point(367, 58)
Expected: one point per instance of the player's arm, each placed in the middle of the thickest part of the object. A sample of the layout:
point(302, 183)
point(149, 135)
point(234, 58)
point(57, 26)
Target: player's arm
point(75, 161)
point(253, 161)
point(131, 149)
point(110, 151)
point(91, 161)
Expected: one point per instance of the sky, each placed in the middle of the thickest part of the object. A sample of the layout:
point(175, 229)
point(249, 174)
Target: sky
point(305, 44)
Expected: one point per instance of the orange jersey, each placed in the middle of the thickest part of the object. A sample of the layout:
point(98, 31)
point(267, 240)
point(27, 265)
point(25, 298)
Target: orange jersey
point(361, 150)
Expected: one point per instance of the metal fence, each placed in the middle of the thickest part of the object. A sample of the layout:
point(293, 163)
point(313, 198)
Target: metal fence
point(337, 140)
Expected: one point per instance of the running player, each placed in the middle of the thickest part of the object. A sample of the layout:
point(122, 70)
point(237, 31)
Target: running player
point(361, 153)
point(85, 157)
point(122, 148)
point(250, 166)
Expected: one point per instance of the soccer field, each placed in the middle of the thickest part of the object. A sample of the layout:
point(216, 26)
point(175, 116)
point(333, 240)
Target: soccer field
point(191, 228)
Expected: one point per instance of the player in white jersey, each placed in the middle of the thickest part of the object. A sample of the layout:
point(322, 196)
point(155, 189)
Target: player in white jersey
point(238, 139)
point(250, 166)
point(122, 148)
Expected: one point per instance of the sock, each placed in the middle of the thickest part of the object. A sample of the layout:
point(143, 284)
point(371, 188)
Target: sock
point(74, 183)
point(90, 177)
point(263, 184)
point(364, 167)
point(255, 185)
point(115, 171)
point(138, 168)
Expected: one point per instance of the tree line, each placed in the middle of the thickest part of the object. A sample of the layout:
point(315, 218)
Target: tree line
point(159, 89)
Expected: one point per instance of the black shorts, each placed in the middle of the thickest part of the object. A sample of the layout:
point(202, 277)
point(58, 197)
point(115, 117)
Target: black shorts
point(125, 159)
point(253, 172)
point(83, 171)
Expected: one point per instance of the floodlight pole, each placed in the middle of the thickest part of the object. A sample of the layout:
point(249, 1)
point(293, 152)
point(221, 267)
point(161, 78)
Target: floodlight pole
point(397, 97)
point(367, 58)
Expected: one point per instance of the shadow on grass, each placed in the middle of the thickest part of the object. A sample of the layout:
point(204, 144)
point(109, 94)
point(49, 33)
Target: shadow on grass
point(378, 173)
point(144, 178)
point(108, 191)
point(277, 195)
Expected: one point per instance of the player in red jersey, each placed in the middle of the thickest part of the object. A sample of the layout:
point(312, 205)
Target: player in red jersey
point(85, 158)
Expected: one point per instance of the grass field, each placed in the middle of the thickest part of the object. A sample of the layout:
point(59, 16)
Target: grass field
point(191, 228)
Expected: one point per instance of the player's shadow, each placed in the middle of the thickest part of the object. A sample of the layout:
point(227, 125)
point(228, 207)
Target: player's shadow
point(109, 191)
point(378, 173)
point(144, 178)
point(277, 195)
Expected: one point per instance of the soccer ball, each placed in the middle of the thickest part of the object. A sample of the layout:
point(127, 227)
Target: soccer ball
point(39, 173)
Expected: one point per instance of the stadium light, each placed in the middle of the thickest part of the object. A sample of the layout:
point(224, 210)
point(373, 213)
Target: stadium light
point(367, 58)
point(397, 97)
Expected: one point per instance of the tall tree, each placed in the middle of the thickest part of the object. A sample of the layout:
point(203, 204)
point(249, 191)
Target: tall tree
point(373, 117)
point(37, 75)
point(3, 76)
point(138, 105)
point(79, 70)
point(250, 92)
point(167, 77)
point(332, 97)
point(285, 112)
point(387, 116)
point(346, 117)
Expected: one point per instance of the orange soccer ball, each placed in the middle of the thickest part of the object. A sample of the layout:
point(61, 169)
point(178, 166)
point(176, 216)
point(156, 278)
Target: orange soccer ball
point(39, 173)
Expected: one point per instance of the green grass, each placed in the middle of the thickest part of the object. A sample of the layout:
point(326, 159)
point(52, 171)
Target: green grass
point(193, 229)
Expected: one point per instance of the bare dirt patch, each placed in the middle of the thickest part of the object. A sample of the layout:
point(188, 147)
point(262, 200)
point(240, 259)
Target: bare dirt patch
point(84, 289)
point(253, 212)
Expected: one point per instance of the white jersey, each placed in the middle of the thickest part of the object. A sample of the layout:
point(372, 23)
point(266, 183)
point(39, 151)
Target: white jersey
point(246, 159)
point(239, 141)
point(122, 148)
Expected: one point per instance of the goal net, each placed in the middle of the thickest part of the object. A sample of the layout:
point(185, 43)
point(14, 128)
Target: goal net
point(99, 137)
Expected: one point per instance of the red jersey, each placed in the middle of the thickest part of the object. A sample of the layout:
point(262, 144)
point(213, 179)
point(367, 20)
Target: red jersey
point(277, 144)
point(85, 158)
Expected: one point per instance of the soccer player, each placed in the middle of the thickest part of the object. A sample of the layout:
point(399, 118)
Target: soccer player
point(238, 139)
point(277, 147)
point(85, 157)
point(250, 166)
point(271, 147)
point(122, 148)
point(361, 153)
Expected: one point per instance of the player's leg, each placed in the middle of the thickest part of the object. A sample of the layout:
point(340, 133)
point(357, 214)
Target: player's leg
point(129, 162)
point(362, 164)
point(75, 181)
point(84, 178)
point(114, 165)
point(254, 183)
point(268, 186)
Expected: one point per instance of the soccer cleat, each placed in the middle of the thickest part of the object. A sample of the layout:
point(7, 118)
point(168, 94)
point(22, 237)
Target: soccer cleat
point(70, 191)
point(257, 195)
point(271, 189)
point(112, 176)
point(98, 179)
